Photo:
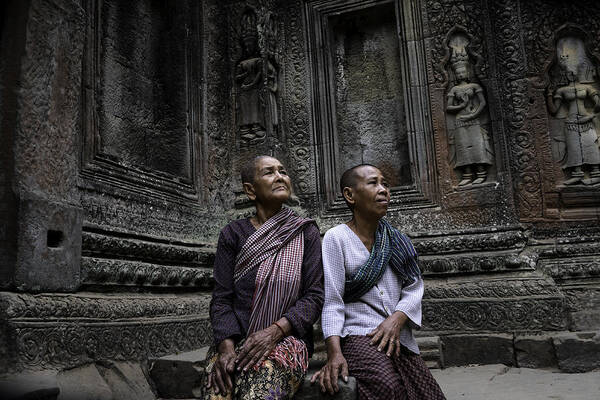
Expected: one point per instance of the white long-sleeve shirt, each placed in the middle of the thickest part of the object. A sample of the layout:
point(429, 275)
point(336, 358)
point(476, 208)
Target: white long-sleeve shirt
point(343, 254)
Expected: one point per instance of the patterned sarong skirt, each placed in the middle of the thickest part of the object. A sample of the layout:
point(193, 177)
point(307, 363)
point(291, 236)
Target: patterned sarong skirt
point(381, 377)
point(271, 381)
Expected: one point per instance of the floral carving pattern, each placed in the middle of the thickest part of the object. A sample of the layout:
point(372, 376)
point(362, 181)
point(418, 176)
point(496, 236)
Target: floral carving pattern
point(477, 315)
point(296, 103)
point(451, 244)
point(514, 94)
point(67, 345)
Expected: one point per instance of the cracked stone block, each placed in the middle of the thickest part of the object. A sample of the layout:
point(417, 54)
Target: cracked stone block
point(83, 383)
point(348, 391)
point(478, 349)
point(535, 351)
point(126, 380)
point(177, 376)
point(578, 352)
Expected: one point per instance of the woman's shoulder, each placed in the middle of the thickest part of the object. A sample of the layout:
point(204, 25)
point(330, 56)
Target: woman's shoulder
point(311, 230)
point(237, 228)
point(337, 232)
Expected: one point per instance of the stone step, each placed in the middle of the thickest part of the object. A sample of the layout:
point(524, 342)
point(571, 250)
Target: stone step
point(104, 380)
point(431, 351)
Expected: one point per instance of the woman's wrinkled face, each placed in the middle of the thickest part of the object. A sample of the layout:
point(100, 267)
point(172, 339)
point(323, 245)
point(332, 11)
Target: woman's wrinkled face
point(271, 182)
point(371, 193)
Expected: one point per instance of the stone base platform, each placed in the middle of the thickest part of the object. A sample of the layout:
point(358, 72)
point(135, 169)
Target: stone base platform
point(177, 376)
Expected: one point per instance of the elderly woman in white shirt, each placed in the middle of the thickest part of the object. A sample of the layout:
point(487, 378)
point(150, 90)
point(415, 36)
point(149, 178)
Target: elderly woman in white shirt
point(373, 291)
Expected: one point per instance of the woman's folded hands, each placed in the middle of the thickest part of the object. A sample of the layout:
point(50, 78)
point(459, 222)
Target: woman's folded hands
point(257, 347)
point(223, 368)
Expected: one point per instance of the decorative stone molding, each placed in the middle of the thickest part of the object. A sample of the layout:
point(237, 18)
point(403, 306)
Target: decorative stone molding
point(454, 243)
point(494, 315)
point(96, 271)
point(572, 268)
point(64, 345)
point(90, 306)
point(61, 331)
point(146, 248)
point(566, 249)
point(296, 104)
point(476, 263)
point(498, 288)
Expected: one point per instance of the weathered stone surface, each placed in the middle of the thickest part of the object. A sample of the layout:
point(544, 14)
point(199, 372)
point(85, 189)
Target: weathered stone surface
point(478, 349)
point(535, 351)
point(49, 247)
point(35, 385)
point(347, 390)
point(178, 375)
point(431, 351)
point(126, 380)
point(83, 383)
point(578, 352)
point(75, 329)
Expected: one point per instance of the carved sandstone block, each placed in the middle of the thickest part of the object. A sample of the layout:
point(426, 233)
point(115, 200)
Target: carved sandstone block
point(578, 352)
point(535, 351)
point(49, 247)
point(478, 349)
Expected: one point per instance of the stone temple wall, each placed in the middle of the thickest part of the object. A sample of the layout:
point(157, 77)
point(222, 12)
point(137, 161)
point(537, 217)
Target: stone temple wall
point(125, 125)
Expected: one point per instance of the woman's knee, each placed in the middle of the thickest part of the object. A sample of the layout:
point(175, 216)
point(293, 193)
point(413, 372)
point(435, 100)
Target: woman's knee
point(386, 386)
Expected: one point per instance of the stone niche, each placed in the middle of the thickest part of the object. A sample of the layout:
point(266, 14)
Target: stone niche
point(367, 79)
point(361, 82)
point(141, 102)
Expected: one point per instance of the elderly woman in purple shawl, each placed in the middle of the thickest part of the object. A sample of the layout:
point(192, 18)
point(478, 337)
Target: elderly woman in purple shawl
point(268, 293)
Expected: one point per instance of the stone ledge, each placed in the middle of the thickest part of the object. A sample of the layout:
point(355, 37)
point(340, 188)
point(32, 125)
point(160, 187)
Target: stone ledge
point(308, 391)
point(178, 376)
point(535, 351)
point(41, 385)
point(99, 381)
point(478, 349)
point(90, 306)
point(569, 351)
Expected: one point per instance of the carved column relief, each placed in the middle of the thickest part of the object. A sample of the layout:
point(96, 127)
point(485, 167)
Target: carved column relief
point(295, 102)
point(257, 80)
point(574, 101)
point(219, 129)
point(560, 40)
point(514, 95)
point(442, 17)
point(469, 139)
point(470, 149)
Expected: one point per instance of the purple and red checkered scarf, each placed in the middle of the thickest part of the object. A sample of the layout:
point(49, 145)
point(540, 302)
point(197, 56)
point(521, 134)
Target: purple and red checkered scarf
point(277, 248)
